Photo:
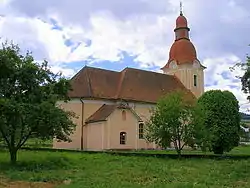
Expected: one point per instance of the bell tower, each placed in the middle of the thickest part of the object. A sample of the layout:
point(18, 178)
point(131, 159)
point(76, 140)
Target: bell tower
point(183, 61)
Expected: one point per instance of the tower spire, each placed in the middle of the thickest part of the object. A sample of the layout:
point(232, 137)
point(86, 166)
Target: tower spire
point(181, 13)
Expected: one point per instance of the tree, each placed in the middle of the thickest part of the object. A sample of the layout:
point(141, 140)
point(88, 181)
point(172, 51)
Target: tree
point(28, 95)
point(177, 120)
point(245, 79)
point(244, 67)
point(222, 120)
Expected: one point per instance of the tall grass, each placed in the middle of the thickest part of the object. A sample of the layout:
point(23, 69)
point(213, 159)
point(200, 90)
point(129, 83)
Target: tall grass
point(104, 171)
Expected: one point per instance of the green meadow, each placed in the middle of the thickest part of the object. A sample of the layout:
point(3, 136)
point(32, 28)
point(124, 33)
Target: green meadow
point(79, 170)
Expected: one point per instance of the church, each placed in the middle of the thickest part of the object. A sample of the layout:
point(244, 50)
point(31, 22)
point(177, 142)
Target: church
point(112, 106)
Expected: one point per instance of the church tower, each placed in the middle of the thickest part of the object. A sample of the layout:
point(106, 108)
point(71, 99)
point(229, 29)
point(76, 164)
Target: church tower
point(183, 62)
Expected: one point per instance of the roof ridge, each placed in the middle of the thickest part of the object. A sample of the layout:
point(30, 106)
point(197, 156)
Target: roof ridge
point(98, 68)
point(123, 72)
point(142, 70)
point(82, 69)
point(90, 67)
point(89, 83)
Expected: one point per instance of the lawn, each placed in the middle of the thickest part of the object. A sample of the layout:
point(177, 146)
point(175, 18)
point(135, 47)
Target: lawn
point(34, 143)
point(241, 150)
point(80, 170)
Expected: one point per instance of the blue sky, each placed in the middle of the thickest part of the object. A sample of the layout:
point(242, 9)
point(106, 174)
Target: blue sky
point(115, 34)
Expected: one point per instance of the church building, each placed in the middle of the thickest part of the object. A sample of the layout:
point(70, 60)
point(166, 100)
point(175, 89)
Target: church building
point(112, 106)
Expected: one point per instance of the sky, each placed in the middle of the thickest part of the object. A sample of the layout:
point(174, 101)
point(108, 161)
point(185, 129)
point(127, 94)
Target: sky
point(114, 34)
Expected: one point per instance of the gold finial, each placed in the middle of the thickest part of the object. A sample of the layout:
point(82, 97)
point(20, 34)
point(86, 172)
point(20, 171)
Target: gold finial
point(181, 8)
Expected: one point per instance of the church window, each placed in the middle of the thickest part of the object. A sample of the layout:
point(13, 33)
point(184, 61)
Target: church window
point(123, 136)
point(141, 126)
point(195, 80)
point(123, 115)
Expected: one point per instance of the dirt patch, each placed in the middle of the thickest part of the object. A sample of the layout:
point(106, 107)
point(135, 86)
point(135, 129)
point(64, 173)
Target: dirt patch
point(23, 184)
point(240, 184)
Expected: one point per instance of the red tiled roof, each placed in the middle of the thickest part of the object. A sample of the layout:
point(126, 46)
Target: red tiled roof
point(105, 111)
point(94, 83)
point(129, 85)
point(101, 114)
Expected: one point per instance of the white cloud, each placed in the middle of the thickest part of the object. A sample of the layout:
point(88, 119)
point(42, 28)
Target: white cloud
point(109, 37)
point(145, 32)
point(67, 72)
point(22, 31)
point(52, 40)
point(219, 76)
point(239, 13)
point(141, 28)
point(37, 36)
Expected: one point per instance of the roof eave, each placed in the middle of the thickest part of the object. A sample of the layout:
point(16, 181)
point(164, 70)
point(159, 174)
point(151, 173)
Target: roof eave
point(95, 121)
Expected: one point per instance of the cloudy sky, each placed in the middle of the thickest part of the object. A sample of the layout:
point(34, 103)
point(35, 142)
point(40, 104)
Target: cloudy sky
point(114, 34)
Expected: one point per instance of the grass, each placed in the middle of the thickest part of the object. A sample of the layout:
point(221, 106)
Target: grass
point(74, 170)
point(242, 150)
point(34, 143)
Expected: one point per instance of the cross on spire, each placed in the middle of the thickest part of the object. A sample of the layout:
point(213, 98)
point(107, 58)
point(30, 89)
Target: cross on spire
point(181, 8)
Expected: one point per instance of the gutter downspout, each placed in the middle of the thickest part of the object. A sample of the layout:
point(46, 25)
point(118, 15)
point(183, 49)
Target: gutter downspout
point(82, 123)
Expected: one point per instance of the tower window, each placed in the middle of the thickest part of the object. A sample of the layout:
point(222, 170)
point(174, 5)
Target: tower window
point(123, 136)
point(141, 126)
point(195, 80)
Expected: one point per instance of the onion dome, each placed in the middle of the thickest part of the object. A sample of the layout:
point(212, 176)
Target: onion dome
point(182, 50)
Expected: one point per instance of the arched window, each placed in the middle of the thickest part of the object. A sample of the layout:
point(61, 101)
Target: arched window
point(195, 80)
point(123, 136)
point(141, 126)
point(123, 115)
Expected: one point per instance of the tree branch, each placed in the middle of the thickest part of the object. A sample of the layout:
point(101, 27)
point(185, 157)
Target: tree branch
point(22, 132)
point(5, 137)
point(183, 145)
point(25, 139)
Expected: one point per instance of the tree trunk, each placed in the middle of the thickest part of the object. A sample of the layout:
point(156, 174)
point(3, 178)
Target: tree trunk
point(13, 156)
point(179, 153)
point(218, 150)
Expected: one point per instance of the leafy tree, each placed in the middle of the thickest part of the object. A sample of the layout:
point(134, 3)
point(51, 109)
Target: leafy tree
point(177, 120)
point(245, 77)
point(28, 95)
point(222, 120)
